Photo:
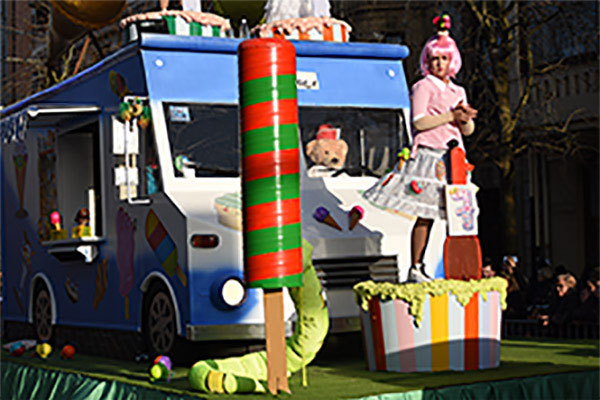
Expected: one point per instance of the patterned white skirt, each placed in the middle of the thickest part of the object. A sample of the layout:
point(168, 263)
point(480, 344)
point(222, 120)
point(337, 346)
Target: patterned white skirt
point(417, 188)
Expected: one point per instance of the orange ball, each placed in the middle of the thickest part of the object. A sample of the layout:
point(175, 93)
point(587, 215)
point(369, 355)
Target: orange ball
point(67, 352)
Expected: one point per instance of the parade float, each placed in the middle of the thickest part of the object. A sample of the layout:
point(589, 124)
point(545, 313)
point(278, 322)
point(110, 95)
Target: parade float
point(208, 227)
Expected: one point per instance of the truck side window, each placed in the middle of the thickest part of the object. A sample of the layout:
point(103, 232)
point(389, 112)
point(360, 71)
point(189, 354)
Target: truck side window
point(203, 139)
point(78, 178)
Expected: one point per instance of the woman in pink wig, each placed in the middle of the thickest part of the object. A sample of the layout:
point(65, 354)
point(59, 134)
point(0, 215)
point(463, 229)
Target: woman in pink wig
point(440, 114)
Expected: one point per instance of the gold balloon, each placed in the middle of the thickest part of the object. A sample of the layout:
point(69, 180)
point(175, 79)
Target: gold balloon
point(90, 14)
point(253, 11)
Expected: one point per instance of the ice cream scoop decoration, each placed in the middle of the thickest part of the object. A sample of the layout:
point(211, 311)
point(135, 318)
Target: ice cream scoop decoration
point(355, 215)
point(416, 187)
point(161, 370)
point(67, 352)
point(55, 220)
point(17, 349)
point(43, 350)
point(322, 215)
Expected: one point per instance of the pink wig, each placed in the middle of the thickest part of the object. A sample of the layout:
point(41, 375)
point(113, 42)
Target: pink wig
point(445, 45)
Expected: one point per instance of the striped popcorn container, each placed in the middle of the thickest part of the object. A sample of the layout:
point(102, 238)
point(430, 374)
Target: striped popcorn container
point(449, 336)
point(178, 26)
point(333, 33)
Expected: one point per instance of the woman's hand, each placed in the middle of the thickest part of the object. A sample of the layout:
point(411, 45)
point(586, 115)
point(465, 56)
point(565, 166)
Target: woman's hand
point(463, 113)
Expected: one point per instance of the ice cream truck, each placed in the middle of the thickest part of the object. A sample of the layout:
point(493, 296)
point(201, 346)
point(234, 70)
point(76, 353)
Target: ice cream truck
point(121, 204)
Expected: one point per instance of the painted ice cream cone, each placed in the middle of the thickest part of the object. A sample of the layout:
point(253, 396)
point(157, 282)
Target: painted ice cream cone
point(100, 282)
point(331, 222)
point(20, 162)
point(125, 252)
point(356, 214)
point(126, 306)
point(322, 215)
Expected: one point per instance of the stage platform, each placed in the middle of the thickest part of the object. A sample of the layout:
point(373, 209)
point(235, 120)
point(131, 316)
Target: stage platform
point(535, 369)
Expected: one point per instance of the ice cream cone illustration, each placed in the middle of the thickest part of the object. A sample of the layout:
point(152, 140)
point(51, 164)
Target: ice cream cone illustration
point(100, 282)
point(125, 253)
point(27, 253)
point(163, 246)
point(48, 194)
point(322, 215)
point(18, 298)
point(20, 162)
point(72, 290)
point(355, 215)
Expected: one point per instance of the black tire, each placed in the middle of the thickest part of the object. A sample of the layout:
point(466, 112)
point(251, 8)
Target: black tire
point(42, 313)
point(159, 325)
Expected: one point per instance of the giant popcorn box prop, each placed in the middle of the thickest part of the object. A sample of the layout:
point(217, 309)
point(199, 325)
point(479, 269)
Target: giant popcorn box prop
point(172, 22)
point(179, 26)
point(432, 326)
point(335, 33)
point(310, 28)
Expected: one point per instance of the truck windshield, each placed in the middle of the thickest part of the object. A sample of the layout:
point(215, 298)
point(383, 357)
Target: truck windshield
point(373, 136)
point(204, 138)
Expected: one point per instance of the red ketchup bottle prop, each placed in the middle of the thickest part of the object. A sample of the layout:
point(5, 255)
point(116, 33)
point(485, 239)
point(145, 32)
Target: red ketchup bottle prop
point(270, 185)
point(462, 254)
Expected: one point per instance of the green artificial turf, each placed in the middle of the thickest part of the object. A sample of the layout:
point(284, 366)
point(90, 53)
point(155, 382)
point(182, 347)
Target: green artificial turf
point(345, 377)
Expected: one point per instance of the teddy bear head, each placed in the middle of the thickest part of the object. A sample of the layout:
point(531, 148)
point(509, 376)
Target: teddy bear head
point(328, 149)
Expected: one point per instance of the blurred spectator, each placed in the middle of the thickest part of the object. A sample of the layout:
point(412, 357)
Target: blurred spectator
point(517, 288)
point(564, 303)
point(541, 289)
point(487, 271)
point(560, 270)
point(589, 296)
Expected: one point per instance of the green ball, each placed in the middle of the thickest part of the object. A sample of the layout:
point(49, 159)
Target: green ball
point(156, 372)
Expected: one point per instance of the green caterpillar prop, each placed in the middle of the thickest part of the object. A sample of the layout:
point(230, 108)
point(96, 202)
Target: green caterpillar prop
point(247, 374)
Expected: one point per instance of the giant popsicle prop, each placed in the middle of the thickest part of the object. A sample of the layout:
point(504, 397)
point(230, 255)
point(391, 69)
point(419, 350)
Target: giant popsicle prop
point(163, 246)
point(271, 185)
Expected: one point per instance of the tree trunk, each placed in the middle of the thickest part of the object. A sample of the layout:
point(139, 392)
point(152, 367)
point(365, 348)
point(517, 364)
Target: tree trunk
point(508, 206)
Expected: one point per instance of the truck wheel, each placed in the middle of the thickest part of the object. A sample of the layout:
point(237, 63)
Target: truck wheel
point(159, 325)
point(42, 313)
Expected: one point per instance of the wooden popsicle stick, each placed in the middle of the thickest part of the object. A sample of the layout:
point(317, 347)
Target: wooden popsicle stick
point(275, 338)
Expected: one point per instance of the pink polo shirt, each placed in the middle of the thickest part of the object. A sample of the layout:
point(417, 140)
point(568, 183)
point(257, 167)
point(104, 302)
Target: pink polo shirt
point(431, 96)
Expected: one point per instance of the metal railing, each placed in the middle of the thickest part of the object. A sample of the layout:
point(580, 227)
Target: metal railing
point(512, 328)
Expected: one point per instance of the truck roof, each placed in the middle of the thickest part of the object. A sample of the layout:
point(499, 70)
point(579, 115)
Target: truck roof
point(162, 67)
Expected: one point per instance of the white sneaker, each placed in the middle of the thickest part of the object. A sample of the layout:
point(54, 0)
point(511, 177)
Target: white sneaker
point(417, 274)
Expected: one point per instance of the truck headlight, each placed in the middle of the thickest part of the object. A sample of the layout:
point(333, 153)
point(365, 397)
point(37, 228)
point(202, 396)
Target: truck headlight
point(230, 293)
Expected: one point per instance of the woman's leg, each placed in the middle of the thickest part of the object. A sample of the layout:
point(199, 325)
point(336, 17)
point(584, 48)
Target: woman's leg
point(419, 239)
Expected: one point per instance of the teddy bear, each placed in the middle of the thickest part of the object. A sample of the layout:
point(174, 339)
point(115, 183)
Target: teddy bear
point(327, 151)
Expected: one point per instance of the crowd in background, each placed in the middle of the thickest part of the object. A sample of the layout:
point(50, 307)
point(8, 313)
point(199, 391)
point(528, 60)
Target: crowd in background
point(552, 295)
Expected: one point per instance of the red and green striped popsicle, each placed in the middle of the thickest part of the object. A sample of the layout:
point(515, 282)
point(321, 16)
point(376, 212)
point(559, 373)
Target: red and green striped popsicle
point(271, 164)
